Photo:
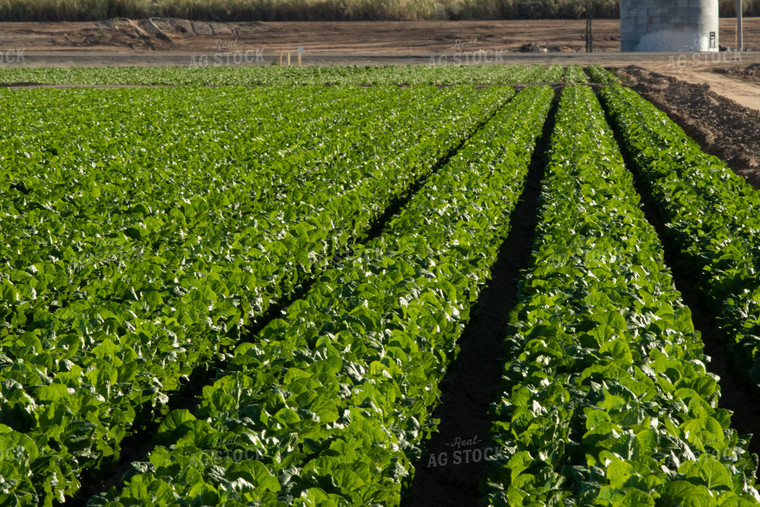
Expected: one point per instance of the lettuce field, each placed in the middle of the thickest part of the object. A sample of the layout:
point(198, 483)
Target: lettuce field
point(256, 295)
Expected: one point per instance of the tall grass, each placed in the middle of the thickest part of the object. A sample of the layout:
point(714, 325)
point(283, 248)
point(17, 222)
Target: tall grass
point(749, 8)
point(319, 10)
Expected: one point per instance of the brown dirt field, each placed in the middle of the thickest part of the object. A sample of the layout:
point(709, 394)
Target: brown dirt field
point(365, 38)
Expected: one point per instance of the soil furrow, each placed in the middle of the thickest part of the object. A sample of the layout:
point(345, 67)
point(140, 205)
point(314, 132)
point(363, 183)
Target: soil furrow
point(443, 475)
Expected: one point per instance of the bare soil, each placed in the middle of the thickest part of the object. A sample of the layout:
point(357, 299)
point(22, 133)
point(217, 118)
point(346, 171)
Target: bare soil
point(722, 126)
point(364, 38)
point(746, 72)
point(384, 37)
point(724, 77)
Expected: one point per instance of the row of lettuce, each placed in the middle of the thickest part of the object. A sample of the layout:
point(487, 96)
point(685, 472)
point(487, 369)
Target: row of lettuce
point(137, 247)
point(330, 404)
point(443, 70)
point(606, 398)
point(711, 216)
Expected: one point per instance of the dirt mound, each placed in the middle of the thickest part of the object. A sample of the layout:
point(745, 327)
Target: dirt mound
point(152, 34)
point(174, 26)
point(721, 126)
point(134, 34)
point(749, 72)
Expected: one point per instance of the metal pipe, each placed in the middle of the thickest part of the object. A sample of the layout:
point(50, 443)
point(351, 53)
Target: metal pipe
point(739, 28)
point(589, 36)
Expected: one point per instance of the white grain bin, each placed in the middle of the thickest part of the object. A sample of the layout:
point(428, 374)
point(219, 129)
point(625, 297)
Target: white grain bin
point(669, 25)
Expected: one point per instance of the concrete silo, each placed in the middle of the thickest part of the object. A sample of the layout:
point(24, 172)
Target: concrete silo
point(669, 25)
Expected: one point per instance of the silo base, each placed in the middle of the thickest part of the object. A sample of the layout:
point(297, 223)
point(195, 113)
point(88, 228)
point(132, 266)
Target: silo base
point(672, 40)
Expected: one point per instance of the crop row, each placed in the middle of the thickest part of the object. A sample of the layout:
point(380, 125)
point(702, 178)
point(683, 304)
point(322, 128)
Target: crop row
point(444, 70)
point(598, 74)
point(139, 297)
point(606, 396)
point(711, 214)
point(330, 403)
point(574, 74)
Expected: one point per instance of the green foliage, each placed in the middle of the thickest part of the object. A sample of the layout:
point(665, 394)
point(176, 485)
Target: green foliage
point(606, 397)
point(145, 230)
point(712, 216)
point(599, 74)
point(310, 75)
point(575, 74)
point(335, 398)
point(139, 246)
